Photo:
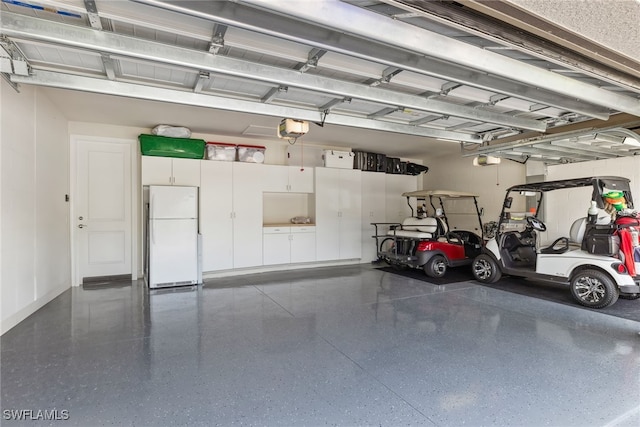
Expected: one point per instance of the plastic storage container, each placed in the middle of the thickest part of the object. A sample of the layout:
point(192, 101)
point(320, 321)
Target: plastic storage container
point(338, 159)
point(251, 153)
point(221, 151)
point(187, 148)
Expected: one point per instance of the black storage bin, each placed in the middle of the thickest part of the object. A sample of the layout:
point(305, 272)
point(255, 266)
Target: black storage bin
point(393, 165)
point(599, 240)
point(381, 163)
point(600, 244)
point(403, 168)
point(360, 160)
point(416, 169)
point(372, 162)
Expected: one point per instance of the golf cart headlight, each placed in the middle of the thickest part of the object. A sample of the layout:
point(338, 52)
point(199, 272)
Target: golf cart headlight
point(619, 267)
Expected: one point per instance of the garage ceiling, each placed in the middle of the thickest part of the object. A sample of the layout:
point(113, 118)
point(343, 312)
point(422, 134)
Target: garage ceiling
point(426, 72)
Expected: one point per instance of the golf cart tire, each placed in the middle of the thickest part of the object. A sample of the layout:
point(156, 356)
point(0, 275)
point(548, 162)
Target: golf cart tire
point(486, 269)
point(436, 267)
point(629, 296)
point(586, 297)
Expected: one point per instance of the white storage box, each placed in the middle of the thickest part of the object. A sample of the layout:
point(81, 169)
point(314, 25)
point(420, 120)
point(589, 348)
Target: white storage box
point(299, 155)
point(251, 153)
point(338, 159)
point(221, 151)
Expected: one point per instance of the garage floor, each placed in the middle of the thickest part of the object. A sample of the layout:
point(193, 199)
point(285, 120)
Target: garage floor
point(348, 346)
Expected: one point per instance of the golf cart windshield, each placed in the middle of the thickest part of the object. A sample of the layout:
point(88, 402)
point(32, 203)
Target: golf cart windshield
point(609, 192)
point(456, 208)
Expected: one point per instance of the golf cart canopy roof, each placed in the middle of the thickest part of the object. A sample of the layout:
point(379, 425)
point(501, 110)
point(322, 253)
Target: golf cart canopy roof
point(610, 182)
point(443, 194)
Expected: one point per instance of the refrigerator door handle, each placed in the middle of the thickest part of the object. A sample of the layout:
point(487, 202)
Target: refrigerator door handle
point(153, 234)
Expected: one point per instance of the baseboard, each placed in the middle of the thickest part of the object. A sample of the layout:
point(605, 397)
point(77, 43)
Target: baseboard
point(11, 321)
point(281, 267)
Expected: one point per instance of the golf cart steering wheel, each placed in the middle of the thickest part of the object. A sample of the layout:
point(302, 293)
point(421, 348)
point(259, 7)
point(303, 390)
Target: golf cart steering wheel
point(536, 224)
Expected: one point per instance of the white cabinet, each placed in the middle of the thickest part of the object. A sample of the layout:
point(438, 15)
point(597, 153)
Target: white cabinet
point(373, 210)
point(287, 179)
point(284, 245)
point(396, 205)
point(247, 214)
point(338, 214)
point(230, 215)
point(216, 215)
point(170, 171)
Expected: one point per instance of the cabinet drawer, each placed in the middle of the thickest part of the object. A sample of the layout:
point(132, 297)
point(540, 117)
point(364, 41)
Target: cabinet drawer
point(309, 229)
point(276, 230)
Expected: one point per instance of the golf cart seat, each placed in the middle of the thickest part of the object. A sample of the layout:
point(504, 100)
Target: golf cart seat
point(416, 228)
point(562, 244)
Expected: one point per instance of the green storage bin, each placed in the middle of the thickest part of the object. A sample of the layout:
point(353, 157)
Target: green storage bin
point(164, 146)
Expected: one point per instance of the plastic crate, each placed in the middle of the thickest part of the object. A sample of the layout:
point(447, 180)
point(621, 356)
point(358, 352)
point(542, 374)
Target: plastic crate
point(251, 153)
point(221, 151)
point(164, 146)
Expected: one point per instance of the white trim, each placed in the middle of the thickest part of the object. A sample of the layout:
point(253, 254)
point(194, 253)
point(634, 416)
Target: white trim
point(280, 267)
point(75, 138)
point(28, 310)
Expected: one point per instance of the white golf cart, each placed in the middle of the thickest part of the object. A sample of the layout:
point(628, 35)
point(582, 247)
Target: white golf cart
point(591, 260)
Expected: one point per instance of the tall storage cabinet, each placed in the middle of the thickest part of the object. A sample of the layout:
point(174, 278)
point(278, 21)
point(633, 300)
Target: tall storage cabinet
point(373, 210)
point(338, 214)
point(230, 215)
point(216, 215)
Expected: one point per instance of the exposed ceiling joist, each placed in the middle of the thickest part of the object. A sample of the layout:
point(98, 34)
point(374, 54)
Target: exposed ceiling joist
point(88, 84)
point(377, 27)
point(287, 28)
point(31, 28)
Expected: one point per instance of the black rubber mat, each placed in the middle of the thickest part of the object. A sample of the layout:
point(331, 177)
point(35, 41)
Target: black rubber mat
point(626, 309)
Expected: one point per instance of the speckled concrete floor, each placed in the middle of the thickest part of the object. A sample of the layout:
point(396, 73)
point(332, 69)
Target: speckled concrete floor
point(348, 346)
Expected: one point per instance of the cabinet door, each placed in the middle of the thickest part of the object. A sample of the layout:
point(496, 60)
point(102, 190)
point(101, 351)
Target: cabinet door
point(186, 172)
point(247, 211)
point(300, 180)
point(275, 179)
point(277, 247)
point(397, 208)
point(373, 210)
point(156, 170)
point(327, 208)
point(216, 207)
point(350, 213)
point(303, 246)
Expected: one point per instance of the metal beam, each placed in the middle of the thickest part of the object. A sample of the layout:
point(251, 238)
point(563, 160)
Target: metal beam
point(248, 18)
point(268, 97)
point(88, 84)
point(373, 26)
point(585, 148)
point(31, 28)
point(383, 112)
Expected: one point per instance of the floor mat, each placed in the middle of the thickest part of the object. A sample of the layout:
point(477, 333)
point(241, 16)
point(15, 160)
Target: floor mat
point(454, 275)
point(626, 309)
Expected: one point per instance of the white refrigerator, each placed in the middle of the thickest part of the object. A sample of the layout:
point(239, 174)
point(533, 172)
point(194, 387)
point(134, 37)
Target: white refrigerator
point(172, 236)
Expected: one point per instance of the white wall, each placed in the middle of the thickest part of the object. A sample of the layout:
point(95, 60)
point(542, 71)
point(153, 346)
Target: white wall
point(34, 170)
point(565, 206)
point(490, 183)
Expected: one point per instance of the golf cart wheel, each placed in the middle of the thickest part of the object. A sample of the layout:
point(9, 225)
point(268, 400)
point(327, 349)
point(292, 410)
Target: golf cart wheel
point(629, 296)
point(436, 267)
point(485, 269)
point(594, 289)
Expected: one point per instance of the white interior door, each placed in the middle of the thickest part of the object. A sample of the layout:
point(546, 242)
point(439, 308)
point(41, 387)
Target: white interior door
point(102, 209)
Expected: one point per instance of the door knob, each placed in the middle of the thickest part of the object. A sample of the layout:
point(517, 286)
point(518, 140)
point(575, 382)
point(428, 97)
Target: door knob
point(82, 225)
